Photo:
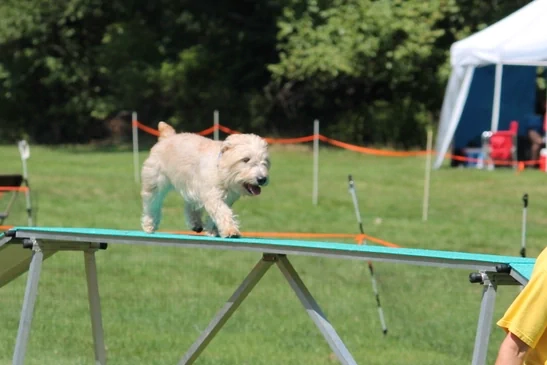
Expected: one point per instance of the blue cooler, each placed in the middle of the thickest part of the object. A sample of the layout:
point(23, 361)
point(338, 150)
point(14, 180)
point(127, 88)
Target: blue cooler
point(475, 156)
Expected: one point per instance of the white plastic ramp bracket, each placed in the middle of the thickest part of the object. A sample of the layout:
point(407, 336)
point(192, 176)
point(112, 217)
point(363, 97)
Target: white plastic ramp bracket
point(29, 301)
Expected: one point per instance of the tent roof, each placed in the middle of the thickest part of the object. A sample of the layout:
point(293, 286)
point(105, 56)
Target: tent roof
point(520, 37)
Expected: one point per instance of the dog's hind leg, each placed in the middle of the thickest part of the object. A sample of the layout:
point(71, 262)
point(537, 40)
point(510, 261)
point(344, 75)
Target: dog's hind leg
point(193, 216)
point(155, 187)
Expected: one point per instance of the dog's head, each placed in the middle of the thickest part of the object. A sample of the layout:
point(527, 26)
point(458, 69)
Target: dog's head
point(244, 163)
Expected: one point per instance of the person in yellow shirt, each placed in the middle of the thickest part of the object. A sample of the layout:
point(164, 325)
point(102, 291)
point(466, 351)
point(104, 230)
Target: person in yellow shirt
point(525, 321)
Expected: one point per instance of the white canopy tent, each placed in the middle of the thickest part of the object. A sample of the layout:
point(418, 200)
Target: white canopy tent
point(519, 39)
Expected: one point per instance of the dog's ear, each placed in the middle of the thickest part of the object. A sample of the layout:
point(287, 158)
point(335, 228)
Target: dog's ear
point(225, 146)
point(228, 143)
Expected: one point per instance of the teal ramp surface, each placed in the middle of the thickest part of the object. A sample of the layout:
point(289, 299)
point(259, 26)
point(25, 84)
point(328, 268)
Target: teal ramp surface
point(311, 248)
point(522, 270)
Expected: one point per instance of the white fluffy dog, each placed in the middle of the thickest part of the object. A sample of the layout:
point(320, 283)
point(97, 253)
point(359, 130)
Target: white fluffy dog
point(210, 176)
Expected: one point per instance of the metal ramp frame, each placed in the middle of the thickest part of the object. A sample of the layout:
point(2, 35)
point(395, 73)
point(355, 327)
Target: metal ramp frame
point(25, 248)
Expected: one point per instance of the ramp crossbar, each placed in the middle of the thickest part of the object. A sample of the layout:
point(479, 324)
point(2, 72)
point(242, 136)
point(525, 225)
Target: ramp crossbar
point(490, 270)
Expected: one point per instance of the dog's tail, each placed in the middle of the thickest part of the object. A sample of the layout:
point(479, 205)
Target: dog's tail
point(165, 130)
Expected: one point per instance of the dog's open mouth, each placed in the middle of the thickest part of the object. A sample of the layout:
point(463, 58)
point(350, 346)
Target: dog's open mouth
point(252, 189)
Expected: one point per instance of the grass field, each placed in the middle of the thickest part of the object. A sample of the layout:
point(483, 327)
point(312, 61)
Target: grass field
point(156, 300)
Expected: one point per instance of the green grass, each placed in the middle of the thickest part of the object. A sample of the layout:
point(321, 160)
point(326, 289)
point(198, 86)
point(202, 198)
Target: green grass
point(156, 300)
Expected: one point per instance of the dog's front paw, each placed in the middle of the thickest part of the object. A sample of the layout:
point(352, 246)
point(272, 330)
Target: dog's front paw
point(197, 229)
point(231, 232)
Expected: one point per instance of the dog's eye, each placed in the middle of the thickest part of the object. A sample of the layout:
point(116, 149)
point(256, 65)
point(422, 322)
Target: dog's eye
point(246, 159)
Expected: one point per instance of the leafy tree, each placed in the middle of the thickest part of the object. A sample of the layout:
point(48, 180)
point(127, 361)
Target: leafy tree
point(372, 71)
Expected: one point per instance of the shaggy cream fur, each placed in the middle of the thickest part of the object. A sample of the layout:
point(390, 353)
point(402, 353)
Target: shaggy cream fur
point(209, 175)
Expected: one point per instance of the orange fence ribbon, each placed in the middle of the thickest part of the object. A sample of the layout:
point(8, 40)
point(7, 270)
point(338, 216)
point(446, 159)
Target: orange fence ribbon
point(296, 140)
point(14, 188)
point(344, 145)
point(207, 131)
point(227, 130)
point(496, 162)
point(289, 140)
point(146, 129)
point(372, 151)
point(359, 238)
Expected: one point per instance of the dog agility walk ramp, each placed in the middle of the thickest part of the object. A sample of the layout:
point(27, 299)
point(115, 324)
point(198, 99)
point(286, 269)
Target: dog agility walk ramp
point(23, 248)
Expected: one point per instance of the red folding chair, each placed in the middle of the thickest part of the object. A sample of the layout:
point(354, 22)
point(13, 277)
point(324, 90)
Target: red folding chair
point(500, 147)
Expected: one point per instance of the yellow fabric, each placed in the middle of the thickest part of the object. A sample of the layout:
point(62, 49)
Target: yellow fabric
point(527, 316)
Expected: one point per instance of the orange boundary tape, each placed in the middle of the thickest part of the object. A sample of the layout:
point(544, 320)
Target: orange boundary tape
point(146, 129)
point(289, 140)
point(374, 151)
point(14, 188)
point(497, 162)
point(362, 237)
point(226, 130)
point(334, 142)
point(295, 140)
point(207, 131)
point(359, 238)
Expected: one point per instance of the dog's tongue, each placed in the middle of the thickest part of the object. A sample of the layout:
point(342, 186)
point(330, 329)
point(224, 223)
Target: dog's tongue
point(254, 189)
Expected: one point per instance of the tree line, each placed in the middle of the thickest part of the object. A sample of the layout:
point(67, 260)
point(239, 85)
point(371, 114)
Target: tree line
point(372, 71)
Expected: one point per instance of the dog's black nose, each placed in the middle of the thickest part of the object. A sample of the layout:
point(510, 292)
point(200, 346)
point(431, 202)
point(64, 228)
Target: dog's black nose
point(262, 180)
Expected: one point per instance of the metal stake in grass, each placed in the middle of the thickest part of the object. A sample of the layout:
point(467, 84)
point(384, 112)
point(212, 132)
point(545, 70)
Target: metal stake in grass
point(370, 267)
point(523, 239)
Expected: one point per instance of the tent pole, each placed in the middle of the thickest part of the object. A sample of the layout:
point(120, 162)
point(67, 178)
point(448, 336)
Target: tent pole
point(497, 98)
point(545, 111)
point(455, 115)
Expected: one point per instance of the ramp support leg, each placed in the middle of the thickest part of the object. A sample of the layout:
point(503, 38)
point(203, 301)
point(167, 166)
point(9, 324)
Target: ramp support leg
point(31, 292)
point(315, 312)
point(95, 307)
point(484, 326)
point(302, 292)
point(227, 310)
